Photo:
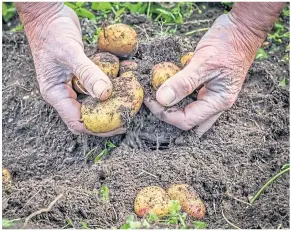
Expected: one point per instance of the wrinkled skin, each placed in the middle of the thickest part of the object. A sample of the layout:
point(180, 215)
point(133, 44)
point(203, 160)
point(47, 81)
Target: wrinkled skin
point(58, 52)
point(219, 65)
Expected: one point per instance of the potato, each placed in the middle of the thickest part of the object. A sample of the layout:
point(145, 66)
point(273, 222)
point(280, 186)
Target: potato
point(152, 199)
point(126, 66)
point(189, 200)
point(128, 74)
point(118, 39)
point(161, 72)
point(6, 176)
point(108, 63)
point(77, 86)
point(186, 58)
point(123, 104)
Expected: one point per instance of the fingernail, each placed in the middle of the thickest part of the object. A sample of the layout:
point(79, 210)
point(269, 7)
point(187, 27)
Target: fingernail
point(101, 89)
point(166, 95)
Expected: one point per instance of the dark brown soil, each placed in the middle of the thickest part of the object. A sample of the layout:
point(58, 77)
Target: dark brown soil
point(246, 146)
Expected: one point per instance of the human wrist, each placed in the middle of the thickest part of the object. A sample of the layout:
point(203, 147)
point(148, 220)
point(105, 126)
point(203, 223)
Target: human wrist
point(257, 18)
point(33, 14)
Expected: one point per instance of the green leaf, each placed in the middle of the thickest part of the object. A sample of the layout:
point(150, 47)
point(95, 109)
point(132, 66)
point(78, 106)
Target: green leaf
point(102, 6)
point(261, 54)
point(282, 84)
point(109, 144)
point(174, 206)
point(17, 28)
point(71, 5)
point(145, 224)
point(285, 166)
point(129, 219)
point(135, 225)
point(7, 223)
point(125, 226)
point(84, 225)
point(105, 193)
point(79, 4)
point(4, 9)
point(83, 13)
point(69, 222)
point(200, 225)
point(103, 153)
point(152, 217)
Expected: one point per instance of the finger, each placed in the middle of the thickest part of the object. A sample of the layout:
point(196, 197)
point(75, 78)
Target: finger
point(90, 75)
point(207, 105)
point(187, 80)
point(74, 17)
point(205, 126)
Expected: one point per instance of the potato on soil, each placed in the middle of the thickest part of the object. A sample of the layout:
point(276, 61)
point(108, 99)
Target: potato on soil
point(189, 200)
point(161, 72)
point(77, 86)
point(6, 176)
point(108, 63)
point(127, 65)
point(186, 58)
point(151, 199)
point(124, 102)
point(118, 39)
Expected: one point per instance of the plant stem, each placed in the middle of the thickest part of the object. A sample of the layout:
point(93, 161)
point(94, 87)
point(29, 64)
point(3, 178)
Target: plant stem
point(267, 184)
point(198, 30)
point(148, 11)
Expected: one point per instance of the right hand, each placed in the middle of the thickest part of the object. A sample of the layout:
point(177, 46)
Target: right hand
point(56, 43)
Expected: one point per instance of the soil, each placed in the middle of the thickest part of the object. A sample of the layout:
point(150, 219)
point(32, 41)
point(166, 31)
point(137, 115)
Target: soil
point(229, 164)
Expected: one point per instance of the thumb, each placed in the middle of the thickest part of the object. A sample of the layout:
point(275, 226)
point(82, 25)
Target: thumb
point(182, 84)
point(91, 77)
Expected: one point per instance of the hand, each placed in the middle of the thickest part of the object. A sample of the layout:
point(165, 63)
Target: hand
point(56, 43)
point(220, 64)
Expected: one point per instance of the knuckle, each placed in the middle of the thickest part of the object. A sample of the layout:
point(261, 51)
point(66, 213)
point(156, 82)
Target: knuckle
point(85, 73)
point(187, 84)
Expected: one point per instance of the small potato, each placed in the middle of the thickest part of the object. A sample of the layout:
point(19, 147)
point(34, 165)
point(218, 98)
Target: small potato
point(78, 87)
point(108, 63)
point(126, 66)
point(152, 199)
point(186, 58)
point(124, 102)
point(189, 200)
point(128, 74)
point(118, 39)
point(161, 72)
point(6, 176)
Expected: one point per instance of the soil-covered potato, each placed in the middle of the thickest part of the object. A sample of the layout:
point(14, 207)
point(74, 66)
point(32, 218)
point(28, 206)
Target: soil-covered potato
point(189, 200)
point(123, 104)
point(186, 58)
point(128, 74)
point(118, 39)
point(6, 176)
point(161, 72)
point(107, 62)
point(78, 87)
point(152, 199)
point(127, 65)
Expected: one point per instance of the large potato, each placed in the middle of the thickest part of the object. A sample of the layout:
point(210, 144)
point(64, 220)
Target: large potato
point(186, 58)
point(161, 72)
point(118, 39)
point(127, 65)
point(123, 104)
point(107, 62)
point(189, 200)
point(152, 199)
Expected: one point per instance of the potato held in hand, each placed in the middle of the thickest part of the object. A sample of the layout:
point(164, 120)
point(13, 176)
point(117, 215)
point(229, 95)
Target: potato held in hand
point(186, 58)
point(118, 39)
point(108, 63)
point(123, 104)
point(161, 72)
point(152, 199)
point(189, 200)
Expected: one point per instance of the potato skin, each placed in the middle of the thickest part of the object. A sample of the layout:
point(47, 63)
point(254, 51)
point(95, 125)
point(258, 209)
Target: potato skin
point(78, 87)
point(6, 176)
point(107, 62)
point(186, 58)
point(118, 39)
point(161, 72)
point(123, 104)
point(189, 200)
point(152, 199)
point(127, 65)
